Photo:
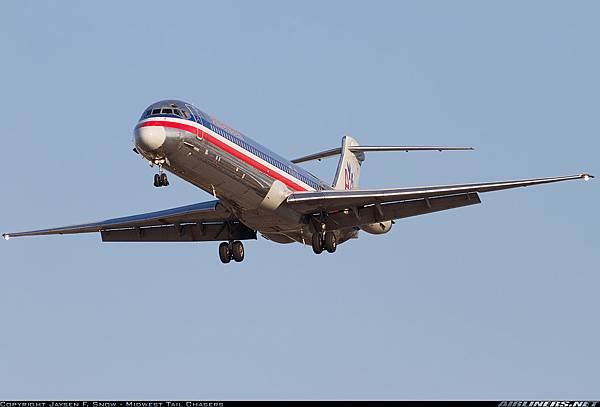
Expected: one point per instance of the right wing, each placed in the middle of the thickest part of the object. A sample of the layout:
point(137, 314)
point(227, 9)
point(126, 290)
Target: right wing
point(201, 221)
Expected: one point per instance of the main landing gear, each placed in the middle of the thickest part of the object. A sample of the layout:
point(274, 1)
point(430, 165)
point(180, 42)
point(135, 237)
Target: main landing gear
point(326, 241)
point(231, 251)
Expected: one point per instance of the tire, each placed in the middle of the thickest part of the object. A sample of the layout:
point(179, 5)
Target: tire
point(330, 242)
point(224, 253)
point(156, 180)
point(317, 243)
point(237, 251)
point(164, 181)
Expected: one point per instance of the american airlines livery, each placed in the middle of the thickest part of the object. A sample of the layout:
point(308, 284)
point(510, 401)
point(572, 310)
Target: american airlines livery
point(256, 190)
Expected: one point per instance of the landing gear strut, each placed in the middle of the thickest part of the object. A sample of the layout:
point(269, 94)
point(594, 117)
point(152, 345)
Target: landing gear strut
point(326, 241)
point(160, 179)
point(231, 251)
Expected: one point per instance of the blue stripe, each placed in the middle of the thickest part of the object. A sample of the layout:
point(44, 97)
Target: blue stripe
point(245, 143)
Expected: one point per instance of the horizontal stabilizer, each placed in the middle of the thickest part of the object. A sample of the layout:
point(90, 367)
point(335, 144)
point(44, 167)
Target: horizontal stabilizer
point(369, 149)
point(406, 148)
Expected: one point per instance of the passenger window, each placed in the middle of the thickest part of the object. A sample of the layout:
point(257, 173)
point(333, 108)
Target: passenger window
point(167, 111)
point(156, 111)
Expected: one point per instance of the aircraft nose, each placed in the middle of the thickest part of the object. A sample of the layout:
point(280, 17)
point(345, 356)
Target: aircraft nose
point(150, 138)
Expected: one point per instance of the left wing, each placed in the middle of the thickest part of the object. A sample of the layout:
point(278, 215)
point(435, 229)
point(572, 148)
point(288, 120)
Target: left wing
point(201, 221)
point(332, 200)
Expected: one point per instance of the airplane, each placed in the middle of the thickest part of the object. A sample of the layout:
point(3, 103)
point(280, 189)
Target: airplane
point(258, 191)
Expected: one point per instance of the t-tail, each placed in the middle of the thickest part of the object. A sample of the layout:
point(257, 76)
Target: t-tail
point(352, 156)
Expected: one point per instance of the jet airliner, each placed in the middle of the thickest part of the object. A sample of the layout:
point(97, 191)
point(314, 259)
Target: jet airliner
point(258, 191)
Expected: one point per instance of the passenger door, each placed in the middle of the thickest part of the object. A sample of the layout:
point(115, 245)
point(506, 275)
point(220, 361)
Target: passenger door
point(196, 117)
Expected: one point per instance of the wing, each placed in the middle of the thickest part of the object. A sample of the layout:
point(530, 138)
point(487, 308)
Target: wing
point(201, 221)
point(399, 202)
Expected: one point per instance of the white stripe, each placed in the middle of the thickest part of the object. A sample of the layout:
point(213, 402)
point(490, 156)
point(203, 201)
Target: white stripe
point(233, 145)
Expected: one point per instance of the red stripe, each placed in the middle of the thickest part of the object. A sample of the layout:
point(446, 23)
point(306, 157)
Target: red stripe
point(226, 147)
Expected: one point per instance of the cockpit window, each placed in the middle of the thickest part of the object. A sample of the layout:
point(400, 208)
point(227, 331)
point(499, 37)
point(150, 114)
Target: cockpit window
point(172, 109)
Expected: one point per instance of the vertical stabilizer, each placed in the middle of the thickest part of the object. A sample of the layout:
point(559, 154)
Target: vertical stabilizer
point(348, 171)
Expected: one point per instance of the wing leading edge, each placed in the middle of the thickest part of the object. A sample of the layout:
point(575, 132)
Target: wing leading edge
point(311, 202)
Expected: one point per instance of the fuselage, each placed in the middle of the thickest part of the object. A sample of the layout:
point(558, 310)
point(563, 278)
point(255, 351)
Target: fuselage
point(249, 179)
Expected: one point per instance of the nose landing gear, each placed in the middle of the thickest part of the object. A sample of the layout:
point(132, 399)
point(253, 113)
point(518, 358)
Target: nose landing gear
point(160, 179)
point(231, 251)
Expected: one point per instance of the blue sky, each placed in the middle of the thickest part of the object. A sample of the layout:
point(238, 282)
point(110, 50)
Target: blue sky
point(493, 301)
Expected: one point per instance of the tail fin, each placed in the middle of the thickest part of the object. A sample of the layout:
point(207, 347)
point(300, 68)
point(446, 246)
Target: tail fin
point(348, 171)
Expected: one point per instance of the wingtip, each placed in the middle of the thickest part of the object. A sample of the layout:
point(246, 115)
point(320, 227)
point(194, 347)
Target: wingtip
point(586, 176)
point(452, 149)
point(6, 236)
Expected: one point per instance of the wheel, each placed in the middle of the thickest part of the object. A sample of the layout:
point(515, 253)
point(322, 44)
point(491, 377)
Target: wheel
point(330, 242)
point(224, 252)
point(237, 251)
point(317, 243)
point(156, 180)
point(164, 181)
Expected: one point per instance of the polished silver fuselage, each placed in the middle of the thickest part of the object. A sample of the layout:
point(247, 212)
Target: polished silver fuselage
point(242, 188)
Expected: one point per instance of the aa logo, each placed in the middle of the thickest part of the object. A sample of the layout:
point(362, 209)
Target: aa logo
point(348, 177)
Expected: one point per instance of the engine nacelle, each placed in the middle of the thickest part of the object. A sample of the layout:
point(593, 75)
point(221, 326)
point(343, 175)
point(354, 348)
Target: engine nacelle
point(377, 228)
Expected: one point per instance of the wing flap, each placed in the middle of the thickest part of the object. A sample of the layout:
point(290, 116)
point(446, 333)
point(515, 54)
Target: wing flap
point(311, 202)
point(389, 211)
point(191, 232)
